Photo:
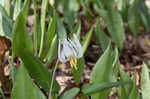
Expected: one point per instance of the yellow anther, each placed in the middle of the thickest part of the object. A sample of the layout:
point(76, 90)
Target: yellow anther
point(73, 61)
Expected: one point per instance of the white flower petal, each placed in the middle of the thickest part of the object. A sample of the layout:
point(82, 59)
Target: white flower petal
point(74, 50)
point(76, 41)
point(77, 46)
point(69, 49)
point(59, 51)
point(61, 56)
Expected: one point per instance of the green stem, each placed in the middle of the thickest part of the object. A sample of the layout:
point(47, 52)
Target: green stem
point(52, 81)
point(12, 67)
point(43, 16)
point(35, 28)
point(41, 45)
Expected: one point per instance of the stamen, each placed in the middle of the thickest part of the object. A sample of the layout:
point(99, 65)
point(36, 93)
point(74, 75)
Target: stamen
point(73, 61)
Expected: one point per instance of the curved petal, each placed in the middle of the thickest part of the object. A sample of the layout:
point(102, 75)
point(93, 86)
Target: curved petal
point(74, 50)
point(60, 53)
point(67, 51)
point(74, 47)
point(63, 57)
point(76, 41)
point(77, 46)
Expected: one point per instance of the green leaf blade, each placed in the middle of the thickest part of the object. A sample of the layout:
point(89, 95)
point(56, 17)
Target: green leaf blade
point(77, 73)
point(70, 94)
point(114, 24)
point(6, 23)
point(86, 40)
point(43, 18)
point(102, 38)
point(124, 90)
point(37, 70)
point(145, 82)
point(24, 88)
point(102, 72)
point(89, 89)
point(21, 38)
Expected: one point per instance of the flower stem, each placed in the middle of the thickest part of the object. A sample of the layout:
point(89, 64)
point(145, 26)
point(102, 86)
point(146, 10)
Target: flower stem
point(52, 81)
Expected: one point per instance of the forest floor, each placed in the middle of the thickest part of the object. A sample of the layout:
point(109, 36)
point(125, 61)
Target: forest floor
point(134, 53)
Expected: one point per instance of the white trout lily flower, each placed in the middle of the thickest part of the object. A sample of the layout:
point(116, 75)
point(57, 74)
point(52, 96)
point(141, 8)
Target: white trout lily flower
point(70, 51)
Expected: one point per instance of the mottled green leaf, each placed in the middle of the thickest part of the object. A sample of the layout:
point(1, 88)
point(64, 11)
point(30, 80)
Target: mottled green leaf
point(144, 14)
point(101, 36)
point(24, 88)
point(114, 24)
point(102, 72)
point(37, 70)
point(21, 38)
point(133, 18)
point(70, 9)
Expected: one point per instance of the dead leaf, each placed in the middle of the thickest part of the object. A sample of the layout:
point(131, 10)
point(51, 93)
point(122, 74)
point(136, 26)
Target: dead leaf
point(143, 43)
point(4, 46)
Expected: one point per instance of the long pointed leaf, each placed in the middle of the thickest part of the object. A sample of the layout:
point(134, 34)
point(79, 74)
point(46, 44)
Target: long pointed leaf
point(24, 88)
point(102, 38)
point(6, 23)
point(43, 18)
point(21, 38)
point(37, 70)
point(102, 72)
point(70, 94)
point(114, 24)
point(86, 40)
point(89, 89)
point(145, 82)
point(134, 92)
point(124, 90)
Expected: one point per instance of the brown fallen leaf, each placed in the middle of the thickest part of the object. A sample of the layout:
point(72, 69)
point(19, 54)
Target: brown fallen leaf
point(4, 46)
point(143, 44)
